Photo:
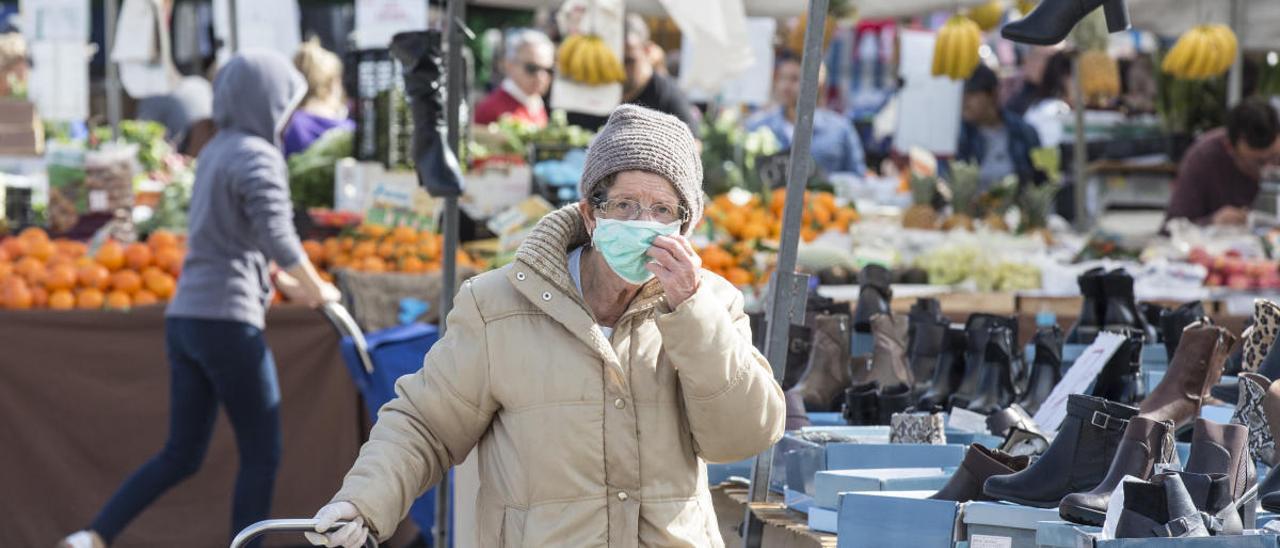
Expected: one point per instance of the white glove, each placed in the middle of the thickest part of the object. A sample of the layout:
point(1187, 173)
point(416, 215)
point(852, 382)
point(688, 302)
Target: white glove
point(351, 535)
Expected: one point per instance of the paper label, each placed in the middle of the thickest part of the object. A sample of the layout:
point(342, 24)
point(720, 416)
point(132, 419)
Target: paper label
point(98, 200)
point(990, 541)
point(966, 420)
point(1078, 378)
point(378, 20)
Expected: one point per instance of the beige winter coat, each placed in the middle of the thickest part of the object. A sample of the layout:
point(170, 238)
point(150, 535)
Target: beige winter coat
point(582, 440)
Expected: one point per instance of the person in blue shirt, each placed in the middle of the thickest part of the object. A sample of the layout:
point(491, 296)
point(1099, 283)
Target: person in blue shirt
point(836, 147)
point(998, 141)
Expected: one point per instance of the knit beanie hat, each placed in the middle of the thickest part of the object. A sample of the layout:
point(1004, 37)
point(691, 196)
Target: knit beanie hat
point(638, 138)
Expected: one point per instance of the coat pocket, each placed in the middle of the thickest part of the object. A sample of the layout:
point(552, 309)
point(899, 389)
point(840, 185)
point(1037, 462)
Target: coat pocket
point(513, 520)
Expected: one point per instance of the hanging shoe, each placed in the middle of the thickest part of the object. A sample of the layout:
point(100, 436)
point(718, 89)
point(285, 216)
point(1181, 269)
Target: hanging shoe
point(995, 382)
point(1224, 449)
point(874, 295)
point(1160, 508)
point(1146, 444)
point(1174, 320)
point(978, 331)
point(1259, 338)
point(917, 428)
point(894, 399)
point(1046, 368)
point(1195, 368)
point(421, 53)
point(948, 373)
point(926, 350)
point(888, 363)
point(827, 375)
point(862, 405)
point(1076, 461)
point(1120, 379)
point(1051, 20)
point(979, 464)
point(1250, 413)
point(1089, 322)
point(1120, 310)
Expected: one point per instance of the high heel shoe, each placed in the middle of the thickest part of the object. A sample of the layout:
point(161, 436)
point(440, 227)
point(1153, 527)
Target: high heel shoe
point(1052, 20)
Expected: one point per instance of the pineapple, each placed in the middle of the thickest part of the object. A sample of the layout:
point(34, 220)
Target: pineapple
point(995, 202)
point(964, 196)
point(922, 215)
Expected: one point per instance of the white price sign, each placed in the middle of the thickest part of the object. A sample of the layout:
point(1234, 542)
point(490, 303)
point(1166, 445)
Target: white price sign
point(1077, 380)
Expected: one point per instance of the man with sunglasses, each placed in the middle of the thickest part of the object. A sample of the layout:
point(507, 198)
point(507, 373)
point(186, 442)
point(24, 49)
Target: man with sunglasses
point(527, 67)
point(1219, 176)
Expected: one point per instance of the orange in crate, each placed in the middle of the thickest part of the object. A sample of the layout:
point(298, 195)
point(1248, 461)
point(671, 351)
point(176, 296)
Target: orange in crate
point(90, 299)
point(118, 300)
point(62, 276)
point(94, 276)
point(62, 299)
point(145, 298)
point(137, 256)
point(39, 297)
point(163, 285)
point(16, 295)
point(14, 247)
point(126, 281)
point(162, 239)
point(168, 259)
point(41, 249)
point(110, 255)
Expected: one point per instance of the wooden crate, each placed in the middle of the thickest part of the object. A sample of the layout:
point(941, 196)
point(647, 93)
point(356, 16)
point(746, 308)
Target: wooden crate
point(783, 528)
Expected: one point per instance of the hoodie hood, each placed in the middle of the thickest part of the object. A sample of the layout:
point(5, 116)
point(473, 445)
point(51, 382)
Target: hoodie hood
point(256, 93)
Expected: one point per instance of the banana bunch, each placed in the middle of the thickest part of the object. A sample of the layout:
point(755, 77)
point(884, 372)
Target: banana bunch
point(1099, 76)
point(988, 15)
point(1205, 51)
point(1025, 6)
point(955, 53)
point(587, 59)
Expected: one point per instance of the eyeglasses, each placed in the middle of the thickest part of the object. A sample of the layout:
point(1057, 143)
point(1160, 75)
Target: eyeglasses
point(623, 209)
point(532, 69)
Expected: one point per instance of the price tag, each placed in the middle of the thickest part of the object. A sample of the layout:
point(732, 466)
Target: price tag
point(990, 541)
point(967, 421)
point(1077, 380)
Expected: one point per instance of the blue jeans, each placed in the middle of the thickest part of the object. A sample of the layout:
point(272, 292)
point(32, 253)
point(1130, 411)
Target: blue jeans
point(211, 362)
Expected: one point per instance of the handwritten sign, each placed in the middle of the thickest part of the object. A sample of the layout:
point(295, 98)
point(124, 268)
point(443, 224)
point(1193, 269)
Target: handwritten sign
point(1082, 374)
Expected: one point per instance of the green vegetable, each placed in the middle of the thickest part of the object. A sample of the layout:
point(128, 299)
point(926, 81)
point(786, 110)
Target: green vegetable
point(311, 172)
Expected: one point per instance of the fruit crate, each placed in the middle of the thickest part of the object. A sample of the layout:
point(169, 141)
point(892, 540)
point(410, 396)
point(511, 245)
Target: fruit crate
point(384, 124)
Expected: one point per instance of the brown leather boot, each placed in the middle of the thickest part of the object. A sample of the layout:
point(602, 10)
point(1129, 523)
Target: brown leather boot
point(1146, 443)
point(1196, 367)
point(827, 375)
point(888, 364)
point(979, 464)
point(1224, 449)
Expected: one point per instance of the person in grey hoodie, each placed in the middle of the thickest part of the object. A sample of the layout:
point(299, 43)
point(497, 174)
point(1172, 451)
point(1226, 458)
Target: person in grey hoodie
point(241, 221)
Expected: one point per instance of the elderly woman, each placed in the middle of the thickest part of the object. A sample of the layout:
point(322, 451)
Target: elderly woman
point(595, 374)
point(528, 63)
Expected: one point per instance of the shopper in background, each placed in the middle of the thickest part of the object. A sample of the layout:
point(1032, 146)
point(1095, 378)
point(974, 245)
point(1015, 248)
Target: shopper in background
point(1049, 102)
point(644, 86)
point(325, 106)
point(528, 63)
point(1219, 176)
point(835, 147)
point(241, 220)
point(190, 102)
point(1034, 63)
point(593, 375)
point(997, 140)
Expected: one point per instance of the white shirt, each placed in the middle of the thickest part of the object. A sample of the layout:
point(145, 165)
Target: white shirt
point(575, 272)
point(531, 103)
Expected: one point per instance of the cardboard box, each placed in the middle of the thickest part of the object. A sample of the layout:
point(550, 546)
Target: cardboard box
point(831, 483)
point(1005, 524)
point(896, 518)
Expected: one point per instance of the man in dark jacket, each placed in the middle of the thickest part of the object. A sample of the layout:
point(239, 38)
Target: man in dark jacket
point(996, 140)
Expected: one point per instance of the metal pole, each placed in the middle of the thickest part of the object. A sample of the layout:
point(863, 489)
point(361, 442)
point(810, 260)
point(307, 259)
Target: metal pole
point(113, 72)
point(1079, 152)
point(233, 27)
point(453, 106)
point(789, 289)
point(1235, 78)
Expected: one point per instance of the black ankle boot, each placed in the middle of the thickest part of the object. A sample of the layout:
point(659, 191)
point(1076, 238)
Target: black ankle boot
point(421, 54)
point(874, 295)
point(893, 399)
point(995, 382)
point(1046, 369)
point(1160, 508)
point(1051, 21)
point(948, 373)
point(1174, 320)
point(1076, 461)
point(1121, 310)
point(1089, 322)
point(862, 405)
point(978, 331)
point(927, 349)
point(1120, 379)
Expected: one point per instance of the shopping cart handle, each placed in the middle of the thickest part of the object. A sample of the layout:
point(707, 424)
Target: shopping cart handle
point(287, 526)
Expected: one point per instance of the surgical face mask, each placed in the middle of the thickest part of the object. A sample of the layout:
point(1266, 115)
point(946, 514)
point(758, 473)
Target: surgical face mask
point(624, 245)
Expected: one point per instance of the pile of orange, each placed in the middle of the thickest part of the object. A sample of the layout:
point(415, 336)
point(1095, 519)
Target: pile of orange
point(376, 248)
point(39, 272)
point(734, 262)
point(757, 220)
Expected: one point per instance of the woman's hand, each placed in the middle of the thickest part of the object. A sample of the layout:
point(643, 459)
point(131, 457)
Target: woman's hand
point(351, 535)
point(676, 266)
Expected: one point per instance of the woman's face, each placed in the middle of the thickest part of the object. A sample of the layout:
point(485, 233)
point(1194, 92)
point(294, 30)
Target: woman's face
point(649, 189)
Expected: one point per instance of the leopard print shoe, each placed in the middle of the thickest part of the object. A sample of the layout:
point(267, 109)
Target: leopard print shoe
point(1259, 337)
